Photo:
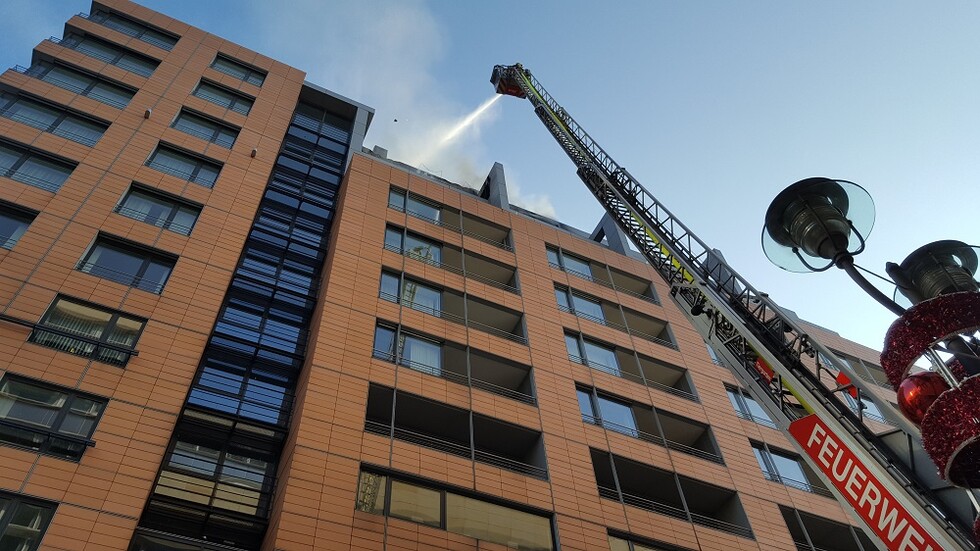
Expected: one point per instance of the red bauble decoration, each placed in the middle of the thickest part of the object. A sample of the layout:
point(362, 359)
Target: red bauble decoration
point(917, 392)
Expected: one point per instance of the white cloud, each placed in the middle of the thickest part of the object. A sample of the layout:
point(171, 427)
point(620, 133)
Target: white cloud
point(385, 54)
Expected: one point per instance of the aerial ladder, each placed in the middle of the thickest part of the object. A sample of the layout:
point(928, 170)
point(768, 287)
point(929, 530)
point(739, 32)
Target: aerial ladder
point(888, 481)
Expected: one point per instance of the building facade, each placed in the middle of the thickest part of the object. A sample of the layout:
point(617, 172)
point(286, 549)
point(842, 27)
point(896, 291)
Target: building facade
point(225, 324)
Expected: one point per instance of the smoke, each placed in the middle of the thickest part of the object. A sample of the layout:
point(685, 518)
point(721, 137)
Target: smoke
point(386, 54)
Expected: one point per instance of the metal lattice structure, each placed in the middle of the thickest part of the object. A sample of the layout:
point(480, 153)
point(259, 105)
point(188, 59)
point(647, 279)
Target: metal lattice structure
point(746, 326)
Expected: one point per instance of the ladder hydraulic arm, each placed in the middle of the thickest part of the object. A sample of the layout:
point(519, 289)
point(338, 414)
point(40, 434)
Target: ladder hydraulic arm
point(747, 328)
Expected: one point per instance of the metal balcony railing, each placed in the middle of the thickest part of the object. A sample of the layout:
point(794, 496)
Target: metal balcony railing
point(454, 318)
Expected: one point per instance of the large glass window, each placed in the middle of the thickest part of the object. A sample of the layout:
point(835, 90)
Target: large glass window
point(786, 468)
point(81, 83)
point(14, 221)
point(238, 70)
point(111, 54)
point(129, 264)
point(747, 408)
point(413, 294)
point(48, 118)
point(205, 128)
point(224, 97)
point(414, 205)
point(456, 513)
point(423, 249)
point(23, 522)
point(48, 419)
point(601, 356)
point(413, 351)
point(135, 29)
point(184, 165)
point(33, 169)
point(165, 211)
point(579, 305)
point(86, 330)
point(610, 413)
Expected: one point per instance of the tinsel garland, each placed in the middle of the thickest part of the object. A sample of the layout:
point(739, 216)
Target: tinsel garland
point(951, 433)
point(925, 324)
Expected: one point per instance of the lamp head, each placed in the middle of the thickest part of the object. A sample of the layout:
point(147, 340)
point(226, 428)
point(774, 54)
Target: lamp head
point(938, 268)
point(815, 221)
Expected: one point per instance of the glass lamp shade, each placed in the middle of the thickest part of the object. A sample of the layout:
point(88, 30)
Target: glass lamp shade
point(939, 268)
point(813, 221)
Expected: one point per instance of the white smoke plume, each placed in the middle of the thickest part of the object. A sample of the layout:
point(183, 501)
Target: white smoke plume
point(385, 55)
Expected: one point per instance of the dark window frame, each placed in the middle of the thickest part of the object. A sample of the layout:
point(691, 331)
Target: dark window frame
point(26, 154)
point(444, 490)
point(200, 160)
point(42, 68)
point(252, 73)
point(101, 343)
point(73, 39)
point(52, 433)
point(19, 213)
point(147, 254)
point(176, 201)
point(238, 98)
point(218, 127)
point(101, 15)
point(10, 98)
point(13, 502)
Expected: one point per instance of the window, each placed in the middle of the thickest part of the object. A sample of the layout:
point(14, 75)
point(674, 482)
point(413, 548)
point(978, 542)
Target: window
point(45, 418)
point(607, 412)
point(184, 166)
point(580, 305)
point(136, 29)
point(569, 263)
point(48, 118)
point(224, 97)
point(205, 128)
point(128, 263)
point(111, 54)
point(594, 355)
point(159, 209)
point(414, 205)
point(87, 330)
point(413, 246)
point(81, 83)
point(23, 521)
point(786, 468)
point(747, 408)
point(381, 494)
point(14, 221)
point(624, 544)
point(238, 70)
point(413, 294)
point(32, 168)
point(866, 407)
point(415, 352)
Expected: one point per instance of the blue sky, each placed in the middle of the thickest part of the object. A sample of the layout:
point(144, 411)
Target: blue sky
point(714, 106)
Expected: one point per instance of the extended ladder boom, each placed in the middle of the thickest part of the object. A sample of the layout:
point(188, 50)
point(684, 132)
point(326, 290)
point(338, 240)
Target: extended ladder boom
point(744, 325)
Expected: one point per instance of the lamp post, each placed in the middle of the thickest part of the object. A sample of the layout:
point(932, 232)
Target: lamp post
point(818, 223)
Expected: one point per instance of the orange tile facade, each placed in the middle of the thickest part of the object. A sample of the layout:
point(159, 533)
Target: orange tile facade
point(100, 498)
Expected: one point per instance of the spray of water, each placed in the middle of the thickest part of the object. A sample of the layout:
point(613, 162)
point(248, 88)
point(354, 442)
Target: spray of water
point(465, 123)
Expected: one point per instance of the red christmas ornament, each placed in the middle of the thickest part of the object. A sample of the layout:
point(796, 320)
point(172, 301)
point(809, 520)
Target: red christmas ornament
point(951, 433)
point(917, 392)
point(925, 324)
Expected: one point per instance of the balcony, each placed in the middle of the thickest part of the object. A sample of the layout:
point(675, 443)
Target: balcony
point(458, 261)
point(602, 274)
point(449, 218)
point(629, 365)
point(448, 429)
point(813, 533)
point(449, 361)
point(454, 306)
point(638, 485)
point(613, 315)
point(649, 424)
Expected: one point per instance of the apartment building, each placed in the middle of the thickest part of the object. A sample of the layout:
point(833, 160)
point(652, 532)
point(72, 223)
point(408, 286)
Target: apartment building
point(225, 325)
